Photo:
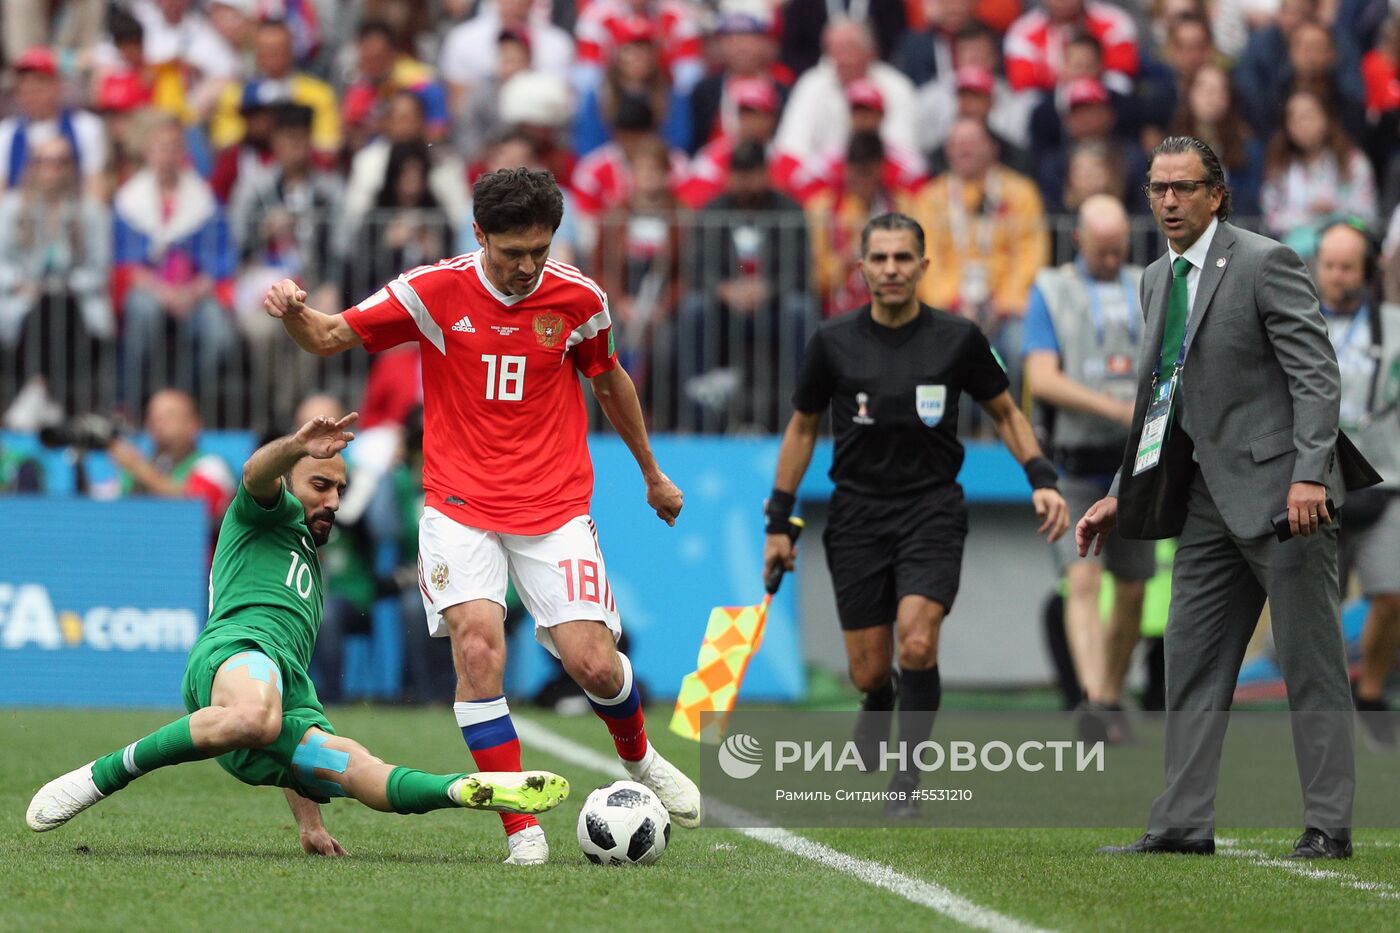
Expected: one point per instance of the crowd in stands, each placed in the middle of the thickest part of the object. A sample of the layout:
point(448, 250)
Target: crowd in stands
point(163, 161)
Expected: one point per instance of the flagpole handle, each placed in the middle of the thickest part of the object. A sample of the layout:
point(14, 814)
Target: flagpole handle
point(775, 579)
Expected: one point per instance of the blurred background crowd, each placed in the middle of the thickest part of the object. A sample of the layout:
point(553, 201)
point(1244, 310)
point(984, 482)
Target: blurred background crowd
point(163, 161)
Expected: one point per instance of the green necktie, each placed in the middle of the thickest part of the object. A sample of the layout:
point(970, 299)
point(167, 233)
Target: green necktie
point(1178, 306)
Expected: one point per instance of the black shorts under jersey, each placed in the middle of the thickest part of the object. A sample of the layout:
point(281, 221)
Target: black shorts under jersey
point(880, 549)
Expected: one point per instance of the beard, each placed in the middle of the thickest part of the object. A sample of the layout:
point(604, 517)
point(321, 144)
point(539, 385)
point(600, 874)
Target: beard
point(321, 537)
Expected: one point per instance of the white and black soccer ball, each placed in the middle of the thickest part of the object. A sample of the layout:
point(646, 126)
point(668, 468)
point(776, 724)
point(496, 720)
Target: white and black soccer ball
point(623, 823)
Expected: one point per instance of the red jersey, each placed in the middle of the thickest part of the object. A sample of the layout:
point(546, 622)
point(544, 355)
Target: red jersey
point(602, 179)
point(901, 171)
point(708, 177)
point(1035, 45)
point(504, 426)
point(602, 25)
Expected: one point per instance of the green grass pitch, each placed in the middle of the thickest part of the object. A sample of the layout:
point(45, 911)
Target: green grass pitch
point(189, 848)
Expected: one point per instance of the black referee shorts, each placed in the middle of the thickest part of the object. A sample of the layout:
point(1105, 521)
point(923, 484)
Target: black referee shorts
point(882, 548)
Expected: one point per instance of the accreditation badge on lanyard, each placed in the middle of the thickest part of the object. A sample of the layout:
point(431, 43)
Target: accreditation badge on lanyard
point(1154, 426)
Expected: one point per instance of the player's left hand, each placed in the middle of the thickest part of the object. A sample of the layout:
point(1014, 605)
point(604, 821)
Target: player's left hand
point(319, 842)
point(323, 438)
point(665, 497)
point(1051, 509)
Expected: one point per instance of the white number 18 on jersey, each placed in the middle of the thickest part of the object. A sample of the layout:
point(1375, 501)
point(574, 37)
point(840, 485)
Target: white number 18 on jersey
point(511, 376)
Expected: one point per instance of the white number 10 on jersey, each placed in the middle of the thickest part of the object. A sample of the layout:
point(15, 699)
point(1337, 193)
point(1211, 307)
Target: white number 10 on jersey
point(511, 384)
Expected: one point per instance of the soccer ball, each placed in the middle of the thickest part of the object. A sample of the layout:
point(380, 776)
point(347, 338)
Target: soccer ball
point(623, 823)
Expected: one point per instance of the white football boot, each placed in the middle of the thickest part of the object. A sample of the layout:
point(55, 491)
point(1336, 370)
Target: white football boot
point(528, 847)
point(677, 791)
point(61, 799)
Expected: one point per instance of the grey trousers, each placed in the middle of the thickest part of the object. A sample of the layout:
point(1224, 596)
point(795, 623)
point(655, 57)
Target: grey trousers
point(1219, 584)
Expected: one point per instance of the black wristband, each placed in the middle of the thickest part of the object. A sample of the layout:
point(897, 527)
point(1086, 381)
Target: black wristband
point(1042, 473)
point(777, 511)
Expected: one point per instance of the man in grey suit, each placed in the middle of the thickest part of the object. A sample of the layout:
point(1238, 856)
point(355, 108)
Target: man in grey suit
point(1235, 421)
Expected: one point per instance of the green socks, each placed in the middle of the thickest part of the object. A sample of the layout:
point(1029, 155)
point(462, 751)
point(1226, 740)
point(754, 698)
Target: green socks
point(171, 744)
point(411, 791)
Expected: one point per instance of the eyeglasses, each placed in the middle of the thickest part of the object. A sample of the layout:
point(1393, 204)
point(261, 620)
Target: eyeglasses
point(1157, 190)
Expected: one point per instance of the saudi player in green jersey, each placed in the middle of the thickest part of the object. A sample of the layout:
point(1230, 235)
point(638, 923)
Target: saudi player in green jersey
point(252, 705)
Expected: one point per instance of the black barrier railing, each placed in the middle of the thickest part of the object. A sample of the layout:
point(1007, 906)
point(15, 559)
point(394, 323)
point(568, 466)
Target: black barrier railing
point(711, 309)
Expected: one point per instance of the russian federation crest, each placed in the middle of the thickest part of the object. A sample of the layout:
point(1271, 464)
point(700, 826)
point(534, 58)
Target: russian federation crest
point(549, 328)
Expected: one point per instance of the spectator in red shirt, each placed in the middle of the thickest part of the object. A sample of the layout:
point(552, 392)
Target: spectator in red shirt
point(1035, 43)
point(1380, 68)
point(902, 168)
point(603, 179)
point(757, 119)
point(394, 387)
point(747, 51)
point(384, 70)
point(606, 24)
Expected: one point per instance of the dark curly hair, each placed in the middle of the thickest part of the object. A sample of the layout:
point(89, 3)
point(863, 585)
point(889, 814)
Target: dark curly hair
point(1210, 162)
point(512, 199)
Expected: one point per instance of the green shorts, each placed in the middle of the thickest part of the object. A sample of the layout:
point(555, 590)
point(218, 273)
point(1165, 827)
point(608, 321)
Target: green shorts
point(301, 709)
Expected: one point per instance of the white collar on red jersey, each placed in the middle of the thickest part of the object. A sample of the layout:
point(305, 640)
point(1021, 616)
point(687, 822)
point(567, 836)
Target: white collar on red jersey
point(502, 297)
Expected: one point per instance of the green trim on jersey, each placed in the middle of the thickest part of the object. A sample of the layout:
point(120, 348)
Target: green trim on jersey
point(267, 574)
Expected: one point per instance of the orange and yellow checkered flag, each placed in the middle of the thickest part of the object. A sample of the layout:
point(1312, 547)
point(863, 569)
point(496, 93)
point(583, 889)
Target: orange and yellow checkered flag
point(732, 637)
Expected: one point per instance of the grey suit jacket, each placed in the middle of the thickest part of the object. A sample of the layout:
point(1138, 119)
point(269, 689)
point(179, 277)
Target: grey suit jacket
point(1259, 395)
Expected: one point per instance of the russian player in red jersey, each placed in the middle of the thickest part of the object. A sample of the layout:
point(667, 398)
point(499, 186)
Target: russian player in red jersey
point(504, 333)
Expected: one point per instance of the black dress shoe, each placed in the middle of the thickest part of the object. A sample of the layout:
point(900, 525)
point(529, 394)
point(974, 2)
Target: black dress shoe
point(1314, 843)
point(1150, 844)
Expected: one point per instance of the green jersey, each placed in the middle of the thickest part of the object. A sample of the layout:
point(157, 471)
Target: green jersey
point(266, 575)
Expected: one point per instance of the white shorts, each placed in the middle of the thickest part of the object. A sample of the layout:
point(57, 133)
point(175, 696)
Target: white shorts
point(559, 575)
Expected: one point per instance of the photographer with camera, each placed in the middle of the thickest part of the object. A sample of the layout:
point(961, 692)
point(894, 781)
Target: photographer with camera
point(178, 469)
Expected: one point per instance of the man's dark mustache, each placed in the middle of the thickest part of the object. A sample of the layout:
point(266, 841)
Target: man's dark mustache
point(325, 515)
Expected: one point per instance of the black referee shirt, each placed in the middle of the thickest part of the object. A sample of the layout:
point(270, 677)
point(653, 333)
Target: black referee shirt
point(894, 394)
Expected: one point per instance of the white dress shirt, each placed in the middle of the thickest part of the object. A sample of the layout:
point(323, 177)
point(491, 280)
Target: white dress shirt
point(1196, 255)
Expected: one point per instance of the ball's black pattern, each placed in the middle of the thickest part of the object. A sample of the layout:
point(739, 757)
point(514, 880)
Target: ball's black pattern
point(599, 832)
point(627, 797)
point(642, 840)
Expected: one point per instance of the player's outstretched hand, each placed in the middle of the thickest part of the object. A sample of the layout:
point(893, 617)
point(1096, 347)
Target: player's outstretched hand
point(1101, 519)
point(319, 842)
point(324, 437)
point(1050, 508)
point(283, 297)
point(665, 497)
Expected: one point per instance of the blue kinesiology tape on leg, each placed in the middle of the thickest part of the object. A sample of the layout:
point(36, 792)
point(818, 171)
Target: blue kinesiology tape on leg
point(312, 755)
point(260, 667)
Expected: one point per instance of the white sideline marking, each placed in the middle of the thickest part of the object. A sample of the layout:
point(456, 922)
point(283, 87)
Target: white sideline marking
point(924, 893)
point(1307, 869)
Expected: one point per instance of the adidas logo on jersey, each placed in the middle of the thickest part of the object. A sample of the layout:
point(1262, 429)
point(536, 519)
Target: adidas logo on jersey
point(464, 326)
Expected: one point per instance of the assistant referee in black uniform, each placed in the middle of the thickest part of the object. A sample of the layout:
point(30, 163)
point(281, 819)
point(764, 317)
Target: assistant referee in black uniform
point(892, 373)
